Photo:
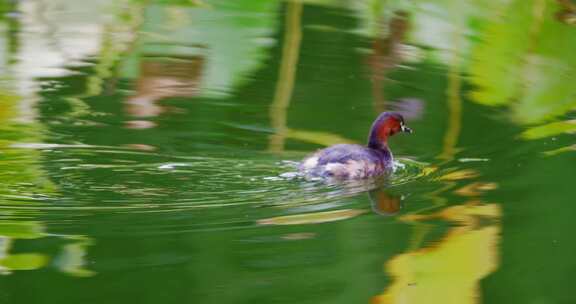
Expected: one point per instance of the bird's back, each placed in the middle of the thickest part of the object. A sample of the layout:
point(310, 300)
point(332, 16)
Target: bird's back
point(347, 161)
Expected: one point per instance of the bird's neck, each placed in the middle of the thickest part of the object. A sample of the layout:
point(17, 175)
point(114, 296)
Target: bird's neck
point(377, 141)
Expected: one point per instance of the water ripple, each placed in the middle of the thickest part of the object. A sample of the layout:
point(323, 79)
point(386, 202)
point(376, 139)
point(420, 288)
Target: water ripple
point(145, 184)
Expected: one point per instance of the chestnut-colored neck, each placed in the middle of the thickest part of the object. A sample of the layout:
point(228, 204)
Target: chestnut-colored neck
point(378, 138)
point(377, 143)
point(380, 131)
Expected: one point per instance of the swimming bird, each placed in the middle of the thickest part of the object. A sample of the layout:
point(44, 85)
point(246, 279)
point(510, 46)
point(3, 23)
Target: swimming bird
point(350, 161)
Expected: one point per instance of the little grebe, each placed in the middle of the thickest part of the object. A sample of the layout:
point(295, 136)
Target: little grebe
point(346, 161)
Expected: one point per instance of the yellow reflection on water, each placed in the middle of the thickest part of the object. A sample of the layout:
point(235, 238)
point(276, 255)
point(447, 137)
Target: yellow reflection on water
point(450, 270)
point(287, 76)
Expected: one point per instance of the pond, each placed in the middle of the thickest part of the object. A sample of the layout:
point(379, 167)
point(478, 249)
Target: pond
point(146, 151)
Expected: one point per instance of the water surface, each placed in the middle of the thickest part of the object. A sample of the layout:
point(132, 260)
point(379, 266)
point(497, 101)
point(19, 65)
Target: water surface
point(144, 147)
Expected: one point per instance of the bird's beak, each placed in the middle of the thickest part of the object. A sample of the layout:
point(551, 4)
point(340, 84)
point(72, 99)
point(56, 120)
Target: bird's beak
point(406, 129)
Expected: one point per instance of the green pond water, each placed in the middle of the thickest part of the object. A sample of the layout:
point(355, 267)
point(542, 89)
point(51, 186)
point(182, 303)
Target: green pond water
point(147, 151)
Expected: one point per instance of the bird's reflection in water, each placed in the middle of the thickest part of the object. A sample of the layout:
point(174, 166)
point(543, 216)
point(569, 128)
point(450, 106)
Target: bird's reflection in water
point(384, 203)
point(382, 199)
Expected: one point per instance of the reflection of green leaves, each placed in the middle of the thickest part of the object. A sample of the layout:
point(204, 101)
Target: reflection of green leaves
point(72, 260)
point(498, 57)
point(6, 6)
point(21, 230)
point(571, 148)
point(206, 32)
point(24, 261)
point(526, 61)
point(551, 129)
point(19, 167)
